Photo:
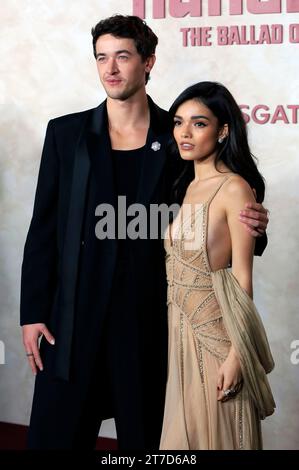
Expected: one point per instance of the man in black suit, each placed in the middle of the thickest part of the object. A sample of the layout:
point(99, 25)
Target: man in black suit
point(100, 304)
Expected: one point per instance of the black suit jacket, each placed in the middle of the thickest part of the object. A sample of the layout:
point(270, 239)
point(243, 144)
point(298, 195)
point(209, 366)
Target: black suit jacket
point(67, 273)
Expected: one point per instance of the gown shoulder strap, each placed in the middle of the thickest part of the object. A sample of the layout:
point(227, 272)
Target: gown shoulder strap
point(225, 178)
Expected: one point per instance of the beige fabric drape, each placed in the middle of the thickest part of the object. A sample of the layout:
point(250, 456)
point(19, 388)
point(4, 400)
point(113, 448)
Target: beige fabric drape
point(247, 334)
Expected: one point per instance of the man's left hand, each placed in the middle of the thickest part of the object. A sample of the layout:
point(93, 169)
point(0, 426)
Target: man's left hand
point(255, 218)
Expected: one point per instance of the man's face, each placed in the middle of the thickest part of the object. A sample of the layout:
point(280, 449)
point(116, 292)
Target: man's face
point(121, 69)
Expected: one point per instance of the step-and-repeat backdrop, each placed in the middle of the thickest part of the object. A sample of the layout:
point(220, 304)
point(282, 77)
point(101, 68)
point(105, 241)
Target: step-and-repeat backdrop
point(47, 69)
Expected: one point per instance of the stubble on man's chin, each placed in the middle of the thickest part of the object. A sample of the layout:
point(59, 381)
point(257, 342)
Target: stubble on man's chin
point(119, 96)
point(122, 95)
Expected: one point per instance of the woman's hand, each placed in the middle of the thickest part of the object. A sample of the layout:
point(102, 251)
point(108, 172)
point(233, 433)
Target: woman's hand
point(229, 379)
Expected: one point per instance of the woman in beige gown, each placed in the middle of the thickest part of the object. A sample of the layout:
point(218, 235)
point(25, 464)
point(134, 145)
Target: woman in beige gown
point(217, 389)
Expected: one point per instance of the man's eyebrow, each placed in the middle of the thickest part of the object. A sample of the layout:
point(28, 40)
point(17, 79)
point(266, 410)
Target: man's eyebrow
point(121, 51)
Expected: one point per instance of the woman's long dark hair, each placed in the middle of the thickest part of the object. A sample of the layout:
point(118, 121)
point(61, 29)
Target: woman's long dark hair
point(234, 152)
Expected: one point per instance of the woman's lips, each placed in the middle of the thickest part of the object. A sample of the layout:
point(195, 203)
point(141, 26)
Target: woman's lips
point(186, 146)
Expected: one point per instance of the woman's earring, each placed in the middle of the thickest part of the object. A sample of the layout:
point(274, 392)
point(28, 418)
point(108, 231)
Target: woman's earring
point(220, 140)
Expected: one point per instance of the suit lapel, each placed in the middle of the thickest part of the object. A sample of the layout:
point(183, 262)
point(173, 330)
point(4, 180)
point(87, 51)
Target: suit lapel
point(155, 153)
point(99, 149)
point(92, 153)
point(71, 252)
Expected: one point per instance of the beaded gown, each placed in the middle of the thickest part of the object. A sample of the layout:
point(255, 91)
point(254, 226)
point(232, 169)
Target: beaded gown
point(199, 343)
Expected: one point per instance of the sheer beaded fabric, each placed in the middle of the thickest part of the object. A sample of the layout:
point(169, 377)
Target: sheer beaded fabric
point(207, 312)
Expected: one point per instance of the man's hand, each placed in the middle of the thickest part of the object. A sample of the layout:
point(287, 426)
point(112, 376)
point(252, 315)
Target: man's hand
point(31, 334)
point(255, 218)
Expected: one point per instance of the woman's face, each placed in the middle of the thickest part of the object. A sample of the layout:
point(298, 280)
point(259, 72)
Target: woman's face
point(196, 131)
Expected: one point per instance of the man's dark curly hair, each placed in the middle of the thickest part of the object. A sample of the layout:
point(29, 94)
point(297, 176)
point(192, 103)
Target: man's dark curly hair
point(131, 27)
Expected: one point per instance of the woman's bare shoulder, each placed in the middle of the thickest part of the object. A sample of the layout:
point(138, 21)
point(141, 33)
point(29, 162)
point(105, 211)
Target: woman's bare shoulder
point(238, 187)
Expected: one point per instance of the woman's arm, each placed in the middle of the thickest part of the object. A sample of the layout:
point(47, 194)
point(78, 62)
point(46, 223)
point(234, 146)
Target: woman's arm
point(255, 218)
point(235, 194)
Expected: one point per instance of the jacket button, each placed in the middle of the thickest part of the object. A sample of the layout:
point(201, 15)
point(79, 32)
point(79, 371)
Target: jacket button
point(82, 242)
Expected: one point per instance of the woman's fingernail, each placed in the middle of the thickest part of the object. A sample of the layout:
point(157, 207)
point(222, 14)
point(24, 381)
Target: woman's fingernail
point(52, 341)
